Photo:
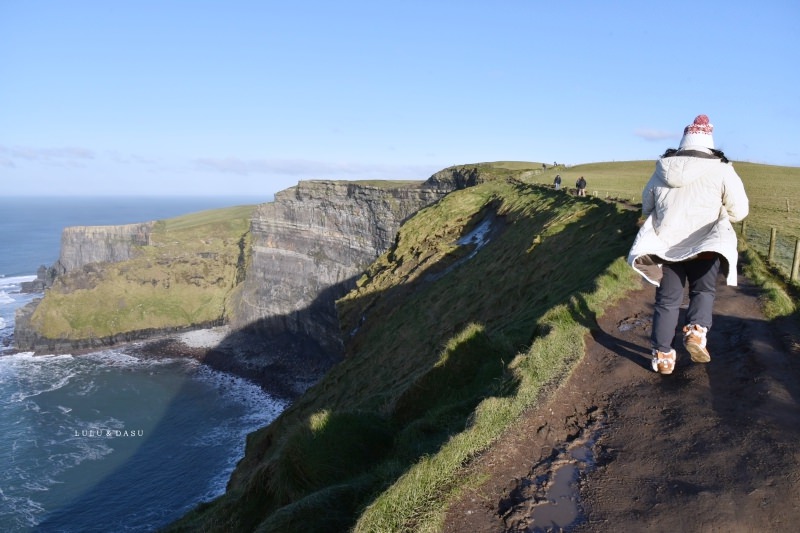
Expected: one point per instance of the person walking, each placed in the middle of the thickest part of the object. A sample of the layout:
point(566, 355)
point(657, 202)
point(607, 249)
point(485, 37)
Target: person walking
point(557, 182)
point(581, 186)
point(689, 205)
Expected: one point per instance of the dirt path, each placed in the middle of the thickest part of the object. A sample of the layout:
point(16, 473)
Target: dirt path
point(709, 448)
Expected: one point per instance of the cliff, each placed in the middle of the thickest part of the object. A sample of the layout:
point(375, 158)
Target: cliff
point(310, 244)
point(277, 272)
point(83, 245)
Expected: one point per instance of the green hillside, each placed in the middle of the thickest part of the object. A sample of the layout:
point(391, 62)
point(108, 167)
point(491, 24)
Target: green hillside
point(199, 257)
point(447, 344)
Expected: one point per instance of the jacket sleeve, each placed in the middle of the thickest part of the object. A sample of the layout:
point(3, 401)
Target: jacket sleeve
point(648, 199)
point(734, 197)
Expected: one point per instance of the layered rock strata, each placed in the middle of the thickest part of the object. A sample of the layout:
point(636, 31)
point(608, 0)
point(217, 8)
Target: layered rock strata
point(310, 244)
point(82, 245)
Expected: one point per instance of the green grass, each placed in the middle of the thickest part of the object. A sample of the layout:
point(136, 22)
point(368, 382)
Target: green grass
point(417, 501)
point(780, 298)
point(183, 278)
point(447, 351)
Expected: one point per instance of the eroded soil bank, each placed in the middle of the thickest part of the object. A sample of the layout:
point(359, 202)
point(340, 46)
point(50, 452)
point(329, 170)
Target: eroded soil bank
point(618, 447)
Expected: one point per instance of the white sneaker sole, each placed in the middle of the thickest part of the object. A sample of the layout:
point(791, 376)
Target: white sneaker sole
point(699, 354)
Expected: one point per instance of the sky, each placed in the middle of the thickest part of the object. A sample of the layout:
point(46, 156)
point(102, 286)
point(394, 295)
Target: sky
point(237, 97)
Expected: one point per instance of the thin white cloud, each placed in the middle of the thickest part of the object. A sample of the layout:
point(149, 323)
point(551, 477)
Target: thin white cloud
point(131, 159)
point(655, 135)
point(69, 155)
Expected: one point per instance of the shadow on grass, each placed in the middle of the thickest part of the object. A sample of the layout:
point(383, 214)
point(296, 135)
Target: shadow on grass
point(423, 354)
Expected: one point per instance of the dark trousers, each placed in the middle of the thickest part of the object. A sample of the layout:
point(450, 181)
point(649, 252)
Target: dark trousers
point(702, 277)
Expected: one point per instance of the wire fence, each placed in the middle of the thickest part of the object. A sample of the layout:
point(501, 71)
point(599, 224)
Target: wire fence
point(782, 252)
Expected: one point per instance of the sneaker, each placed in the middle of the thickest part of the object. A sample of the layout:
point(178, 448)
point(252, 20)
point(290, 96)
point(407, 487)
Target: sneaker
point(663, 363)
point(694, 339)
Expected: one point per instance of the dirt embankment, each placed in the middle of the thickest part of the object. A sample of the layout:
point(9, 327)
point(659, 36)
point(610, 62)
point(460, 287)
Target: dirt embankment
point(618, 447)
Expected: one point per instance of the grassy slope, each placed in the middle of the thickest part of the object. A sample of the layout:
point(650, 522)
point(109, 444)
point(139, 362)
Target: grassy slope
point(444, 352)
point(441, 363)
point(184, 277)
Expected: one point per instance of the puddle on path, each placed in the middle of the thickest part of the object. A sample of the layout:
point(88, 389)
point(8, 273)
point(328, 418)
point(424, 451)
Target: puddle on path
point(560, 507)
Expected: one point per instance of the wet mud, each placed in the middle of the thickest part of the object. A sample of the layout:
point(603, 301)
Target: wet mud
point(711, 447)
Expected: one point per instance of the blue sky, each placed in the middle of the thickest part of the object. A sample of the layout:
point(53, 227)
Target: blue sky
point(240, 97)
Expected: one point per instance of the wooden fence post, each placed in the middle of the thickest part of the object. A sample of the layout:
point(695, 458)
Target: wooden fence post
point(744, 228)
point(796, 263)
point(772, 238)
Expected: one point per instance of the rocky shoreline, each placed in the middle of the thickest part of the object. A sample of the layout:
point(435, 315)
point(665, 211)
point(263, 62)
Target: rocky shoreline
point(284, 366)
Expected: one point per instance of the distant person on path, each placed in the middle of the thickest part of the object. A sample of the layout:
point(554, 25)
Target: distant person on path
point(689, 203)
point(581, 186)
point(557, 182)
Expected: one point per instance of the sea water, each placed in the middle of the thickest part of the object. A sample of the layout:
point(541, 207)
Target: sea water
point(108, 441)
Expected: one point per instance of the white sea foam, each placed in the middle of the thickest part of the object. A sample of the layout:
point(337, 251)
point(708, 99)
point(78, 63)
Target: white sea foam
point(244, 392)
point(23, 511)
point(260, 410)
point(43, 387)
point(14, 282)
point(120, 359)
point(60, 424)
point(5, 298)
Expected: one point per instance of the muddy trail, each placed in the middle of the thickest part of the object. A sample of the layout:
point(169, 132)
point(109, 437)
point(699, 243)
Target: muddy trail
point(711, 447)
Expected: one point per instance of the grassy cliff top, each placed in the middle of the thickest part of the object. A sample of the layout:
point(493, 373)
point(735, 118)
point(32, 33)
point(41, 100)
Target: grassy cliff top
point(183, 278)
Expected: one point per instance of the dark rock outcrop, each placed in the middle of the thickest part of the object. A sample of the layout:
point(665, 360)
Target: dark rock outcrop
point(458, 177)
point(45, 276)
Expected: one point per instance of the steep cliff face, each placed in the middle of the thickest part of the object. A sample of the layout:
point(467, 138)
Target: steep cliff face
point(83, 245)
point(310, 244)
point(304, 250)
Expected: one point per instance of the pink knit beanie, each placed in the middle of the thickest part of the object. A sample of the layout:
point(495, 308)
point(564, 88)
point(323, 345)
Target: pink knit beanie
point(698, 134)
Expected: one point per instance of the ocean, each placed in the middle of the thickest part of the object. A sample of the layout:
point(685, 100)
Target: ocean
point(107, 441)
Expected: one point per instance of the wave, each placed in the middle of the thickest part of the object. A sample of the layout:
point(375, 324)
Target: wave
point(23, 511)
point(53, 451)
point(14, 281)
point(50, 387)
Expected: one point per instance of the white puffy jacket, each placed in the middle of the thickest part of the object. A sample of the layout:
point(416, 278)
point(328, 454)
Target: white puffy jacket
point(690, 203)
